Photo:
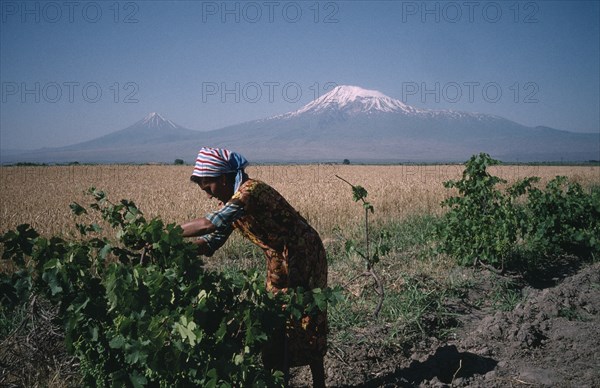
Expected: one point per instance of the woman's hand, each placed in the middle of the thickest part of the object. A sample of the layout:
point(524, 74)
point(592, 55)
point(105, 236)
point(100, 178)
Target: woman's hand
point(202, 247)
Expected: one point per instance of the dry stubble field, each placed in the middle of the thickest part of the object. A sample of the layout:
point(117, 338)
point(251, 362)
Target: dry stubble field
point(40, 195)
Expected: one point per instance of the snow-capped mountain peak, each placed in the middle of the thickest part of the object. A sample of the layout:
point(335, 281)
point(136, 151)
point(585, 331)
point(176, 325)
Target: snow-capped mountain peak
point(355, 100)
point(155, 120)
point(348, 93)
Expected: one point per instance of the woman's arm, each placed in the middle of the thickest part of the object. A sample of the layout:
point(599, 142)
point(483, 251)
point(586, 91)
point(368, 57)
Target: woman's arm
point(205, 225)
point(197, 227)
point(214, 229)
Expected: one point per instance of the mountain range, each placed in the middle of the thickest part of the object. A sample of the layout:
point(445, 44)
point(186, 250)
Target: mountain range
point(348, 122)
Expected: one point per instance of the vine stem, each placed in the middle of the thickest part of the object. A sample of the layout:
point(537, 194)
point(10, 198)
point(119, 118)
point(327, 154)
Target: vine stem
point(380, 292)
point(339, 177)
point(369, 265)
point(143, 255)
point(378, 288)
point(370, 270)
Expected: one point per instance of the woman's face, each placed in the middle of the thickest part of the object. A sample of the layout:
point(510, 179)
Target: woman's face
point(217, 188)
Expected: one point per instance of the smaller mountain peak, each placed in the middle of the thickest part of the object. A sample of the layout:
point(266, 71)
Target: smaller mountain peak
point(154, 116)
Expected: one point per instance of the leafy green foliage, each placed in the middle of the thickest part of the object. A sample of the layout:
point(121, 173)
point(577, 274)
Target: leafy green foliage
point(142, 310)
point(565, 219)
point(479, 225)
point(488, 225)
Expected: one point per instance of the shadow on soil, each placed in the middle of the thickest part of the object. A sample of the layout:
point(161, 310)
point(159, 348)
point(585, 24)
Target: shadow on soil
point(552, 272)
point(446, 364)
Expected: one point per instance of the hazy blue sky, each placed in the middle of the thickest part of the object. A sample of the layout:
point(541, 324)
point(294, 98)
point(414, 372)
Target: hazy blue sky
point(73, 70)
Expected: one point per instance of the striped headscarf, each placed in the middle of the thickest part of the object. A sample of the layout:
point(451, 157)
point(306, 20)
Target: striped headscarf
point(214, 162)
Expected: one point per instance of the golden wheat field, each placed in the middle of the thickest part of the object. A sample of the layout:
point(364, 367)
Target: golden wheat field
point(40, 195)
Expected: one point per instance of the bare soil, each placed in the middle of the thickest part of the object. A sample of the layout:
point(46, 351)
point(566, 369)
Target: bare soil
point(550, 339)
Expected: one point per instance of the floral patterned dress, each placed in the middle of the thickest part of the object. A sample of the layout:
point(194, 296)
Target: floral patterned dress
point(295, 257)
